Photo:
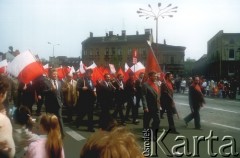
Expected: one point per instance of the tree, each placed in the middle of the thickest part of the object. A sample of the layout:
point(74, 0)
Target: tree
point(188, 66)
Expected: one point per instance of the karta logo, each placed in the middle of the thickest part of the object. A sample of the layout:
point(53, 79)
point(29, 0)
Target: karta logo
point(181, 148)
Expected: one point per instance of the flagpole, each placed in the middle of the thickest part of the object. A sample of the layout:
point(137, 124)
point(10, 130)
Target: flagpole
point(150, 45)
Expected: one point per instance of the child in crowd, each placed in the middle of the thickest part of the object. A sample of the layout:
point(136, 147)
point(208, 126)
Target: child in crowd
point(50, 143)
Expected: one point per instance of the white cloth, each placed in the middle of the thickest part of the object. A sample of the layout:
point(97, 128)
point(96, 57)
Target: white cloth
point(22, 137)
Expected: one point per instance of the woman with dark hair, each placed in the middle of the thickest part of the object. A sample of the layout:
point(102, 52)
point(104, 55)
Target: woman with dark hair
point(23, 134)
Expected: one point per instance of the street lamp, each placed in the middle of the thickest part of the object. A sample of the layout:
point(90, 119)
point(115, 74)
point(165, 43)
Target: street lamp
point(149, 13)
point(53, 46)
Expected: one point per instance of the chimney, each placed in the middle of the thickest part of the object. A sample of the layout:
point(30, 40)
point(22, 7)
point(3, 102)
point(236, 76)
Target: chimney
point(91, 34)
point(148, 31)
point(123, 32)
point(110, 33)
point(164, 42)
point(137, 33)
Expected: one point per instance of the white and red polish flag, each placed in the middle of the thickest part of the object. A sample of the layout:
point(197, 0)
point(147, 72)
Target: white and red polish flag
point(126, 67)
point(72, 70)
point(138, 68)
point(25, 67)
point(112, 68)
point(3, 66)
point(46, 69)
point(82, 68)
point(93, 66)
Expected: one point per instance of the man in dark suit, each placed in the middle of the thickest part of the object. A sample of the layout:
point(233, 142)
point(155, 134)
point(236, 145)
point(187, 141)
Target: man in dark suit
point(39, 87)
point(131, 98)
point(53, 96)
point(26, 95)
point(86, 100)
point(167, 101)
point(196, 101)
point(119, 98)
point(107, 94)
point(151, 103)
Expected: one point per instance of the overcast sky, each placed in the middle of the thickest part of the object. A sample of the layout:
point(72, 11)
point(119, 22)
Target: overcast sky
point(31, 24)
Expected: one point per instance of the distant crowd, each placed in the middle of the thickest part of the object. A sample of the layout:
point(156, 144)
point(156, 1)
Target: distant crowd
point(222, 88)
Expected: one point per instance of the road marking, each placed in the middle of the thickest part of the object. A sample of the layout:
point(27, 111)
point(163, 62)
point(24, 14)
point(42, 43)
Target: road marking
point(74, 134)
point(232, 101)
point(219, 109)
point(223, 110)
point(218, 124)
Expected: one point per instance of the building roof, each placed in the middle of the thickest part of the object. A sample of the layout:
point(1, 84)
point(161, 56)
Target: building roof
point(117, 38)
point(163, 47)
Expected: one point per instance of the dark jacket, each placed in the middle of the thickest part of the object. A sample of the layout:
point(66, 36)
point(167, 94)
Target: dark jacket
point(53, 98)
point(85, 96)
point(150, 98)
point(196, 98)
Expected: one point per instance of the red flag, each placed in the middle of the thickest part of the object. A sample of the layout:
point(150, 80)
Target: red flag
point(96, 75)
point(120, 71)
point(152, 63)
point(62, 72)
point(126, 75)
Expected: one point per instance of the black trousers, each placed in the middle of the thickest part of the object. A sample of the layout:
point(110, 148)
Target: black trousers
point(83, 110)
point(171, 124)
point(119, 110)
point(194, 115)
point(133, 107)
point(152, 114)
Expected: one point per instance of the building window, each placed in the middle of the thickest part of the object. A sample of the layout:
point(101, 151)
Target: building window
point(144, 52)
point(97, 52)
point(129, 51)
point(231, 54)
point(91, 52)
point(107, 51)
point(119, 51)
point(172, 60)
point(113, 51)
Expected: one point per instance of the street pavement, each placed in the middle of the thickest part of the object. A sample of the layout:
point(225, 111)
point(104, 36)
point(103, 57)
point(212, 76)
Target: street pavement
point(220, 119)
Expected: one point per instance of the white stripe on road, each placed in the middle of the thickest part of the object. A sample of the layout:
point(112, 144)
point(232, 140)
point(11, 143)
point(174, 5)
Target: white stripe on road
point(74, 134)
point(219, 109)
point(218, 124)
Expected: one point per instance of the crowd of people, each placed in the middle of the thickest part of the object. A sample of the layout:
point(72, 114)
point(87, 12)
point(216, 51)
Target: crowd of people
point(80, 97)
point(222, 88)
point(21, 135)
